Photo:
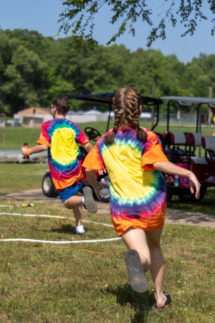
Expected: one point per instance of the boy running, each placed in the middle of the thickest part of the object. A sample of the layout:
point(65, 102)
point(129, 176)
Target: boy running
point(60, 136)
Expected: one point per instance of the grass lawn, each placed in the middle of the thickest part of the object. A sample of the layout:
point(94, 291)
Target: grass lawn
point(69, 283)
point(17, 177)
point(15, 137)
point(206, 206)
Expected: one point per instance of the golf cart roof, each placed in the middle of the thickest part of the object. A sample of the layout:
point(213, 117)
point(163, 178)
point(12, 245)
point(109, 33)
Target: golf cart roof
point(186, 100)
point(106, 98)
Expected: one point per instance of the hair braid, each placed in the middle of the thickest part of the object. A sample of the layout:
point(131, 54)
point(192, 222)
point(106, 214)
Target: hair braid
point(126, 106)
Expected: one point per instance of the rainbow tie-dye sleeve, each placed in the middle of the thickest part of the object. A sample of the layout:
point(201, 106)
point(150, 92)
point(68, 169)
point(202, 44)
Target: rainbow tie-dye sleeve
point(44, 139)
point(93, 160)
point(152, 152)
point(80, 137)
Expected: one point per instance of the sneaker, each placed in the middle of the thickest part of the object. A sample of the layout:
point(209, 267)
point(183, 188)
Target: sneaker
point(136, 274)
point(89, 202)
point(81, 233)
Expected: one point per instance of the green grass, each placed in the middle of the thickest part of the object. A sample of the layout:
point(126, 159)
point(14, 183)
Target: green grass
point(205, 206)
point(17, 177)
point(67, 283)
point(15, 137)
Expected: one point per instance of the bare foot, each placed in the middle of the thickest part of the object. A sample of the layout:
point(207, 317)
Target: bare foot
point(160, 301)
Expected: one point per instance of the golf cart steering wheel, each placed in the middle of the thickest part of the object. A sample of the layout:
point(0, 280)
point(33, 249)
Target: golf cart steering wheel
point(92, 133)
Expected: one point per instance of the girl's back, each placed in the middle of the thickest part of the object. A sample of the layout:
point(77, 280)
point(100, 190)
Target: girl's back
point(134, 190)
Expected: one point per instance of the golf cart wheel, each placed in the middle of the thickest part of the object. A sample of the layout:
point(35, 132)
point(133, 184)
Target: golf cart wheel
point(48, 187)
point(107, 198)
point(187, 196)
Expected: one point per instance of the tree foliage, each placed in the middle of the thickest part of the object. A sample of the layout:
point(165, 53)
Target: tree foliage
point(78, 17)
point(34, 77)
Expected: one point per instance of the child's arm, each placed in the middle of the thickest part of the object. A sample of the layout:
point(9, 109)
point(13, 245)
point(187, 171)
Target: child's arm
point(172, 169)
point(87, 146)
point(37, 149)
point(91, 176)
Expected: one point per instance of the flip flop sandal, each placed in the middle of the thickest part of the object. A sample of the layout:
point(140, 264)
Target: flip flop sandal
point(168, 301)
point(136, 275)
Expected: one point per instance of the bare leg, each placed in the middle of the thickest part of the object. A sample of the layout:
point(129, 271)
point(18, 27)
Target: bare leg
point(157, 264)
point(73, 201)
point(147, 244)
point(136, 239)
point(78, 215)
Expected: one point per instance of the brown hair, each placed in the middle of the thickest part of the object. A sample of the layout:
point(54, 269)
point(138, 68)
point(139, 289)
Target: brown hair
point(61, 104)
point(126, 106)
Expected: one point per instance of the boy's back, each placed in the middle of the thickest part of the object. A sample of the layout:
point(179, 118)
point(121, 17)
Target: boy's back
point(64, 156)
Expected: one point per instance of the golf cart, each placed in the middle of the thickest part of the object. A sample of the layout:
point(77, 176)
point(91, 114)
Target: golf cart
point(48, 187)
point(184, 149)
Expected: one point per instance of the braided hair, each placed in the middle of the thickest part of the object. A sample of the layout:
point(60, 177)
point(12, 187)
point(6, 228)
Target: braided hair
point(126, 106)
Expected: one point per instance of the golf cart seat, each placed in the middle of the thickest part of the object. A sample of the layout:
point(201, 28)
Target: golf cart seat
point(175, 153)
point(208, 143)
point(174, 138)
point(194, 139)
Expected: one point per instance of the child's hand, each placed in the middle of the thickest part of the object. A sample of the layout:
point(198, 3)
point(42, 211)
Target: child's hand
point(99, 187)
point(194, 183)
point(102, 171)
point(24, 151)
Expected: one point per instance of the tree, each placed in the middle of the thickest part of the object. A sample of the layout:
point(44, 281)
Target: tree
point(79, 16)
point(25, 83)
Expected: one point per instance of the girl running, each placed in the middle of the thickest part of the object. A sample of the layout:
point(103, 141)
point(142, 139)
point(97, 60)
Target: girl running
point(134, 160)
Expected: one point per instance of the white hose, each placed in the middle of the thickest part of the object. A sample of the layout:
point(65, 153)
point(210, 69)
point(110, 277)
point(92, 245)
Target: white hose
point(60, 242)
point(57, 242)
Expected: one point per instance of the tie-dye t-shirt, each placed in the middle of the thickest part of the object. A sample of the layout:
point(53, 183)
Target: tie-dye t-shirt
point(64, 156)
point(137, 189)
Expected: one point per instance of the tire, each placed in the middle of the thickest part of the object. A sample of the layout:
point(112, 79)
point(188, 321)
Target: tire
point(187, 196)
point(48, 187)
point(106, 199)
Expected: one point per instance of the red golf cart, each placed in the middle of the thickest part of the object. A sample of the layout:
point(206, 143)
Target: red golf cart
point(185, 150)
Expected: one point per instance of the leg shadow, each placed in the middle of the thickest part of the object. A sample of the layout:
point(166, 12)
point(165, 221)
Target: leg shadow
point(64, 228)
point(141, 303)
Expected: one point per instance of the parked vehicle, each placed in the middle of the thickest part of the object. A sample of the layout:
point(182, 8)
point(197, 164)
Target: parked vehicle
point(184, 149)
point(13, 123)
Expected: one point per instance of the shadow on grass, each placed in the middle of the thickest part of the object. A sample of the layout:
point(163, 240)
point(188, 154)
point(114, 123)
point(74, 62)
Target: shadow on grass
point(64, 228)
point(205, 206)
point(141, 303)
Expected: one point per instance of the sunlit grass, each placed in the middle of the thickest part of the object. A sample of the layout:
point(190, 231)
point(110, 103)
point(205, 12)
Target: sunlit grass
point(88, 282)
